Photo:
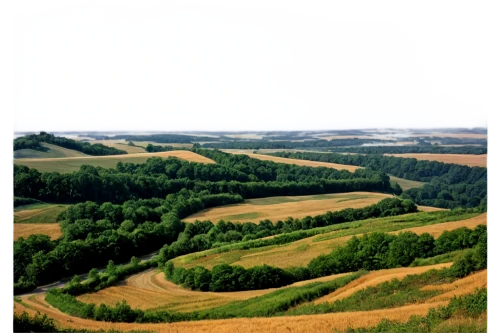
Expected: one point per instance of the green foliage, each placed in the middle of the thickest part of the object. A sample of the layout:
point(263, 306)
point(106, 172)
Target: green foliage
point(38, 323)
point(153, 149)
point(450, 185)
point(19, 201)
point(467, 306)
point(34, 141)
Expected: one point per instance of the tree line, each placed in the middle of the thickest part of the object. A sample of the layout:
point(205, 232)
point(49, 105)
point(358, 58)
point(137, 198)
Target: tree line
point(161, 138)
point(34, 141)
point(449, 185)
point(158, 178)
point(261, 144)
point(432, 149)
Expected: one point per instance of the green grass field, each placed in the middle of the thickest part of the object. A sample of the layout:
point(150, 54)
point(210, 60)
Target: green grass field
point(54, 152)
point(38, 213)
point(406, 184)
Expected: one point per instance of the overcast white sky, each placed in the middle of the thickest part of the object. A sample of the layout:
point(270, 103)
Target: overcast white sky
point(252, 65)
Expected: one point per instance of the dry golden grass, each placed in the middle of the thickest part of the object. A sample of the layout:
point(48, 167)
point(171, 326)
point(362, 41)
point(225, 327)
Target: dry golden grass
point(307, 323)
point(350, 168)
point(255, 210)
point(150, 290)
point(463, 159)
point(374, 278)
point(453, 135)
point(437, 229)
point(429, 209)
point(460, 287)
point(120, 144)
point(369, 137)
point(25, 229)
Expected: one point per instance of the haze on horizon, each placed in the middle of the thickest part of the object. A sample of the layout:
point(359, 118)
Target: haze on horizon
point(260, 65)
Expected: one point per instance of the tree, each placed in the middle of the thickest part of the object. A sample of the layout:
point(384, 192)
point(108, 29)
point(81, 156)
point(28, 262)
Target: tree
point(111, 268)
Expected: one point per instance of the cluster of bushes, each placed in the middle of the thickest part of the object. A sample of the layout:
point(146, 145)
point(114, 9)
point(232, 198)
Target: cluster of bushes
point(155, 149)
point(96, 281)
point(378, 250)
point(19, 201)
point(370, 252)
point(34, 141)
point(450, 185)
point(432, 149)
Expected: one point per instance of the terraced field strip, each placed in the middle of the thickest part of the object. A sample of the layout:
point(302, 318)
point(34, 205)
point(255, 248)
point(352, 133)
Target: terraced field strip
point(38, 213)
point(437, 229)
point(66, 165)
point(150, 290)
point(120, 144)
point(463, 159)
point(279, 208)
point(350, 168)
point(301, 252)
point(405, 183)
point(145, 143)
point(307, 323)
point(26, 229)
point(374, 278)
point(460, 287)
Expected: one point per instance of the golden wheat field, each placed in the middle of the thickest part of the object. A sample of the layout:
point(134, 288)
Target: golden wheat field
point(26, 229)
point(437, 229)
point(463, 159)
point(314, 323)
point(279, 208)
point(120, 144)
point(350, 168)
point(375, 277)
point(65, 165)
point(150, 290)
point(301, 252)
point(460, 287)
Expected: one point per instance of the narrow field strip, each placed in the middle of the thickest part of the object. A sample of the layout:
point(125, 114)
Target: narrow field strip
point(26, 229)
point(256, 210)
point(374, 278)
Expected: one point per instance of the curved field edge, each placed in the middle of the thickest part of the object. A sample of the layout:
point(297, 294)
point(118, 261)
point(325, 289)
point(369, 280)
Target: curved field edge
point(150, 290)
point(462, 159)
point(38, 213)
point(279, 208)
point(303, 323)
